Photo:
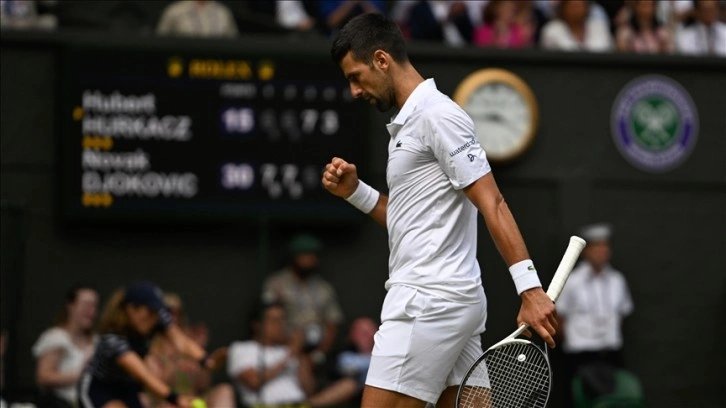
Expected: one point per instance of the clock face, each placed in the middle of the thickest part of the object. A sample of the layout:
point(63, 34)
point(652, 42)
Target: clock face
point(502, 119)
point(503, 109)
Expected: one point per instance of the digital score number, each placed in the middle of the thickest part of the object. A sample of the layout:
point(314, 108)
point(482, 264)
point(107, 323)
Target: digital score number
point(149, 134)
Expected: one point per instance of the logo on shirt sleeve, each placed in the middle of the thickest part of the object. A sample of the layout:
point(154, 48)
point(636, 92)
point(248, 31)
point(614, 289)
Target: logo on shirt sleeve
point(463, 148)
point(471, 157)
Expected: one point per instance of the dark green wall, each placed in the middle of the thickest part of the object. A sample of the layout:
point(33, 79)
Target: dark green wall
point(670, 240)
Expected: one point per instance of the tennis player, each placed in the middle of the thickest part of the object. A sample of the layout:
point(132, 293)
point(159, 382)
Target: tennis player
point(117, 373)
point(438, 176)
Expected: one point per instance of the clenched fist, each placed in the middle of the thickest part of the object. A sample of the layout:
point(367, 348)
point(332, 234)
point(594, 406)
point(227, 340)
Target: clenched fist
point(340, 177)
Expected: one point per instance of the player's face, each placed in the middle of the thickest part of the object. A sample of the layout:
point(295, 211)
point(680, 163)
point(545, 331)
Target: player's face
point(142, 319)
point(369, 82)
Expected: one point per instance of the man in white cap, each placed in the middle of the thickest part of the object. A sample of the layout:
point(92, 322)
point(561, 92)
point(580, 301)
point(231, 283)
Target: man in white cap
point(592, 307)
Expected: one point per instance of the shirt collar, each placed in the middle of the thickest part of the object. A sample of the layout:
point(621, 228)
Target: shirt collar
point(418, 94)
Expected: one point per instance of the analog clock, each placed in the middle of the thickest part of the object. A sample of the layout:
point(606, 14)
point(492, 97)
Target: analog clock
point(504, 111)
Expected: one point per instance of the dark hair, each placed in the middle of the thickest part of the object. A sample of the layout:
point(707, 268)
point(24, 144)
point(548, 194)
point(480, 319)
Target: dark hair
point(70, 297)
point(559, 8)
point(491, 12)
point(365, 34)
point(634, 21)
point(257, 313)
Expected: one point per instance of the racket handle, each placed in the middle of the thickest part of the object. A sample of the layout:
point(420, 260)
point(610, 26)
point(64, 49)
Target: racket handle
point(566, 264)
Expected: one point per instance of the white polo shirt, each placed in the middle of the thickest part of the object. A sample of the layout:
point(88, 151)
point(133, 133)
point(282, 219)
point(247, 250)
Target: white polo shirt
point(593, 306)
point(285, 388)
point(433, 154)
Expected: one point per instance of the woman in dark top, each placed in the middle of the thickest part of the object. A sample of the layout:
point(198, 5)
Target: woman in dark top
point(117, 372)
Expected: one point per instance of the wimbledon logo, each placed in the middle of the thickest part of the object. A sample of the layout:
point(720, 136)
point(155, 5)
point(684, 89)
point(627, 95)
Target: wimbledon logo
point(654, 123)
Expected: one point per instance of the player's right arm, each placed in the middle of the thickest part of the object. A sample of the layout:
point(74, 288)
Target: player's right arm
point(340, 178)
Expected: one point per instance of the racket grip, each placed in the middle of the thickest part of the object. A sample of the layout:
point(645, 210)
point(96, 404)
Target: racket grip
point(566, 264)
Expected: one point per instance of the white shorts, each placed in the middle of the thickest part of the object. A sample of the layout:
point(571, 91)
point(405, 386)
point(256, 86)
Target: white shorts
point(425, 343)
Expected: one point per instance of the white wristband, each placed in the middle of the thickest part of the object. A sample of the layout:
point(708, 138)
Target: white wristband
point(364, 197)
point(524, 276)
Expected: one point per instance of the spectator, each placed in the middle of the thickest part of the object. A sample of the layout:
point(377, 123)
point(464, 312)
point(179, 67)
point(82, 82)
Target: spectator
point(707, 36)
point(17, 14)
point(311, 302)
point(351, 368)
point(287, 15)
point(573, 30)
point(197, 18)
point(531, 18)
point(117, 371)
point(291, 14)
point(63, 350)
point(550, 8)
point(180, 372)
point(418, 22)
point(435, 20)
point(335, 13)
point(673, 12)
point(643, 33)
point(271, 369)
point(592, 307)
point(500, 29)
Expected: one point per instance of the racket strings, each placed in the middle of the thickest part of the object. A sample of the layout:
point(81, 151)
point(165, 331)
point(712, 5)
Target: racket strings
point(515, 375)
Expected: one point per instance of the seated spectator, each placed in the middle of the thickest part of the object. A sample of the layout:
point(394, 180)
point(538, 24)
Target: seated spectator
point(311, 302)
point(531, 18)
point(291, 14)
point(197, 18)
point(418, 22)
point(574, 30)
point(707, 36)
point(335, 13)
point(351, 368)
point(180, 372)
point(500, 29)
point(435, 20)
point(672, 12)
point(63, 350)
point(287, 15)
point(16, 14)
point(117, 372)
point(643, 33)
point(271, 369)
point(550, 9)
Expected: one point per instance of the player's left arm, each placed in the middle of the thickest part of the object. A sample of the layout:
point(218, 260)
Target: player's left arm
point(537, 309)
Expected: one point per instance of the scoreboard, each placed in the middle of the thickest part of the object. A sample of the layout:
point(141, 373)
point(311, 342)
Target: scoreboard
point(159, 134)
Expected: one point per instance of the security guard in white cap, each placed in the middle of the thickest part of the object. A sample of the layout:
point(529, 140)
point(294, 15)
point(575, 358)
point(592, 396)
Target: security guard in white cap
point(592, 306)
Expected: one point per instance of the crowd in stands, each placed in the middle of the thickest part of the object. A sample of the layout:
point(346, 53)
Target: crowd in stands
point(691, 27)
point(142, 350)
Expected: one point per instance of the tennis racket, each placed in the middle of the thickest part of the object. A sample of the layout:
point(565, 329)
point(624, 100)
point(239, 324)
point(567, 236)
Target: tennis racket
point(516, 372)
